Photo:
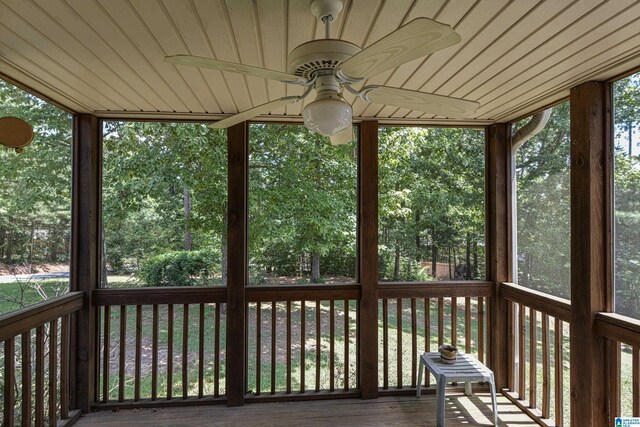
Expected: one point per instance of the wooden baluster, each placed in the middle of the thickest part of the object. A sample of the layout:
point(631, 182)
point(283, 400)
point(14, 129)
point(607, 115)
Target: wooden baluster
point(288, 375)
point(467, 324)
point(346, 344)
point(25, 342)
point(169, 351)
point(39, 376)
point(533, 361)
point(122, 352)
point(258, 346)
point(64, 368)
point(558, 365)
point(414, 342)
point(106, 339)
point(521, 348)
point(201, 352)
point(440, 321)
point(399, 341)
point(481, 329)
point(318, 338)
point(9, 398)
point(303, 336)
point(385, 344)
point(636, 381)
point(332, 354)
point(138, 358)
point(154, 352)
point(185, 351)
point(546, 368)
point(273, 347)
point(216, 361)
point(427, 334)
point(53, 373)
point(454, 321)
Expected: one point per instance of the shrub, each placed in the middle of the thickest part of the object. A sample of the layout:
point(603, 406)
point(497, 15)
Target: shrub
point(179, 268)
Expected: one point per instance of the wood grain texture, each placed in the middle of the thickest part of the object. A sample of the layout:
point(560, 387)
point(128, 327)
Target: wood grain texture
point(558, 369)
point(368, 256)
point(590, 134)
point(499, 244)
point(86, 205)
point(386, 411)
point(9, 397)
point(545, 303)
point(237, 139)
point(25, 319)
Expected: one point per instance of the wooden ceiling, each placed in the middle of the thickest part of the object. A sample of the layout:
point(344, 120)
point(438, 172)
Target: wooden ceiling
point(106, 56)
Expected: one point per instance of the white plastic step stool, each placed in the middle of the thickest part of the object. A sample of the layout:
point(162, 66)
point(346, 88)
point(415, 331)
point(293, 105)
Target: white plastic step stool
point(467, 369)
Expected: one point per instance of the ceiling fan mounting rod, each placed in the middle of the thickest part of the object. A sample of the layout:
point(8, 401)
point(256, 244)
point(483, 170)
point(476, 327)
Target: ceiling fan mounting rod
point(327, 26)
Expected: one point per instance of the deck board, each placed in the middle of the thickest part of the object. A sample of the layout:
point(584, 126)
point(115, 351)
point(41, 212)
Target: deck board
point(386, 411)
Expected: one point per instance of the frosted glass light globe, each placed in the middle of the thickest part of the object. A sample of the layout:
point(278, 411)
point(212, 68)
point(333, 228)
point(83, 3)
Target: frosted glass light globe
point(327, 116)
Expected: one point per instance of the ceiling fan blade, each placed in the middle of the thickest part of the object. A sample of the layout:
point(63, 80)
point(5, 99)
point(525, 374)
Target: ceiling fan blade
point(419, 101)
point(254, 112)
point(216, 64)
point(342, 137)
point(419, 37)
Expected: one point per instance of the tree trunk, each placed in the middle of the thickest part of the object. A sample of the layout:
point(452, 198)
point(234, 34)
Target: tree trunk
point(418, 240)
point(455, 263)
point(31, 241)
point(103, 261)
point(315, 267)
point(434, 253)
point(396, 262)
point(223, 251)
point(10, 246)
point(468, 258)
point(630, 138)
point(475, 259)
point(187, 211)
point(449, 253)
point(3, 238)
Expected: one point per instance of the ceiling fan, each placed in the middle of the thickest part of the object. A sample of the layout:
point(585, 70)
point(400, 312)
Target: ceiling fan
point(331, 66)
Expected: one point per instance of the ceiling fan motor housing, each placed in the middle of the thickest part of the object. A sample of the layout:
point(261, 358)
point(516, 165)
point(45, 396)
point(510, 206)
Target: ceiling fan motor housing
point(309, 58)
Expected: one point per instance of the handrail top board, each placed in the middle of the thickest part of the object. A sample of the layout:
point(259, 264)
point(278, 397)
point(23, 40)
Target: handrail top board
point(25, 319)
point(540, 301)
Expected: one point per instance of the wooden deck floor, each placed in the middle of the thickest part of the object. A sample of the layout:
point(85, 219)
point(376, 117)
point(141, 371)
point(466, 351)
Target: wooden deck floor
point(385, 411)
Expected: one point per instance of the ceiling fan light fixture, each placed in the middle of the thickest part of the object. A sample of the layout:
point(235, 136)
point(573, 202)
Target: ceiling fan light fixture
point(327, 116)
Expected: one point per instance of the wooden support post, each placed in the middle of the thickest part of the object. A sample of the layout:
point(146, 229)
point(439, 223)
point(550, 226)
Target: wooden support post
point(368, 248)
point(590, 165)
point(85, 254)
point(237, 262)
point(498, 211)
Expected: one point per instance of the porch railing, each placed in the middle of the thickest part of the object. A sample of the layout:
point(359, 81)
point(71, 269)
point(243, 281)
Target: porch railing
point(418, 317)
point(160, 346)
point(623, 336)
point(302, 342)
point(539, 353)
point(36, 372)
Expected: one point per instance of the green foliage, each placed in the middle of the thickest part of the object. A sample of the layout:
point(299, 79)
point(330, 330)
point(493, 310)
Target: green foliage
point(302, 200)
point(627, 196)
point(35, 190)
point(148, 170)
point(179, 268)
point(431, 202)
point(543, 207)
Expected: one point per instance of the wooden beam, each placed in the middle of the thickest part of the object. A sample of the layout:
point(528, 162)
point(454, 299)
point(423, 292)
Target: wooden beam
point(85, 253)
point(237, 262)
point(590, 138)
point(368, 256)
point(498, 237)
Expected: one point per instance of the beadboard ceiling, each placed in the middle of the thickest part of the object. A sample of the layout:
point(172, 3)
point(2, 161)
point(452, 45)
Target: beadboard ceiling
point(106, 56)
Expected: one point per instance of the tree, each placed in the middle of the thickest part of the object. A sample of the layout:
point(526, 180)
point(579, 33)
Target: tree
point(302, 201)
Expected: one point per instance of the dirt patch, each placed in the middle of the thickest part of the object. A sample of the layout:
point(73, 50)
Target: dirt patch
point(6, 269)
